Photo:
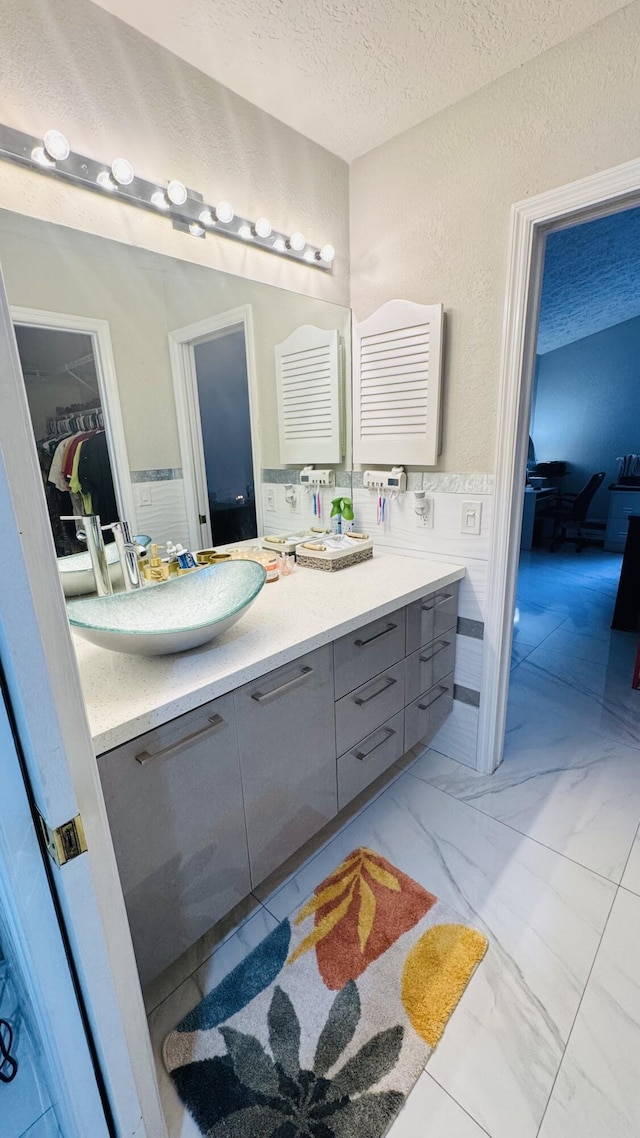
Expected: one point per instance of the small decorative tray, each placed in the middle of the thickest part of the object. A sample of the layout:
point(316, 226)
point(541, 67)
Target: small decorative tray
point(336, 552)
point(289, 542)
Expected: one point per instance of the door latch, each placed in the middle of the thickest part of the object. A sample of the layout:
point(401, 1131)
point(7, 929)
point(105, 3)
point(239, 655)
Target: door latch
point(65, 842)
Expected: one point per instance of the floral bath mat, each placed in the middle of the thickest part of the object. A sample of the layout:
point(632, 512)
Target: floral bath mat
point(322, 1031)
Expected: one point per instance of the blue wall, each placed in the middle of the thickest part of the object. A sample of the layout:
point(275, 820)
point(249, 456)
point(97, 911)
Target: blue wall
point(586, 406)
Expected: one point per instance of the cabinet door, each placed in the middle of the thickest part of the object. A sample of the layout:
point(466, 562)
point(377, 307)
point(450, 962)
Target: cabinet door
point(424, 717)
point(370, 758)
point(431, 616)
point(286, 732)
point(174, 800)
point(363, 654)
point(428, 665)
point(360, 712)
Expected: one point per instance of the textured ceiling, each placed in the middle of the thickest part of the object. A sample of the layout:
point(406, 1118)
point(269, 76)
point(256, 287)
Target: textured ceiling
point(351, 74)
point(591, 279)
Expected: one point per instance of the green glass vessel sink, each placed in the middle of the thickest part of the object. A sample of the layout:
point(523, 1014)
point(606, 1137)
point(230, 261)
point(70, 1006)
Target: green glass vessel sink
point(173, 616)
point(76, 572)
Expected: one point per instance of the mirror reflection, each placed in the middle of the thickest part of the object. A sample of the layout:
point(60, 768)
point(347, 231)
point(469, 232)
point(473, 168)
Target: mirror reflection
point(152, 384)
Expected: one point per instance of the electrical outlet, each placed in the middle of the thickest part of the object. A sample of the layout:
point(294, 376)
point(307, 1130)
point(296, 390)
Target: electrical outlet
point(271, 501)
point(470, 517)
point(426, 521)
point(294, 503)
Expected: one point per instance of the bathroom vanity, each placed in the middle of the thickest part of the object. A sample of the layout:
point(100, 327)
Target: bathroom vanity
point(218, 764)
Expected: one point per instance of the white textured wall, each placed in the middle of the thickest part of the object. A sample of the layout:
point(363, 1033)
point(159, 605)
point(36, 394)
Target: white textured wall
point(587, 408)
point(430, 208)
point(69, 64)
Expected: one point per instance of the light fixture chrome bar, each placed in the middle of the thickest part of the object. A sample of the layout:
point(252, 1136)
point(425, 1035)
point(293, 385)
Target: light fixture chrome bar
point(192, 215)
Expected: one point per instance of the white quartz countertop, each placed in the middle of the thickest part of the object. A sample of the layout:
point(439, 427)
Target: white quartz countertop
point(128, 695)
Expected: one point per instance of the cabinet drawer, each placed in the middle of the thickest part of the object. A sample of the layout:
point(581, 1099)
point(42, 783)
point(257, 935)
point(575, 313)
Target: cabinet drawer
point(431, 616)
point(428, 665)
point(286, 733)
point(424, 717)
point(365, 653)
point(370, 758)
point(364, 709)
point(174, 800)
point(623, 504)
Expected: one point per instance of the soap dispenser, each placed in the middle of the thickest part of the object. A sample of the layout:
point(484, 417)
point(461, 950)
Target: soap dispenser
point(156, 569)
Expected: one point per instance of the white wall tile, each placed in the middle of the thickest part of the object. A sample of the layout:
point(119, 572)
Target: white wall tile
point(468, 670)
point(165, 517)
point(403, 528)
point(458, 737)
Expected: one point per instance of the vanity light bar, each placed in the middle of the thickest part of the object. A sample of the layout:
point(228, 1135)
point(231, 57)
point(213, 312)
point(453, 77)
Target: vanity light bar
point(186, 208)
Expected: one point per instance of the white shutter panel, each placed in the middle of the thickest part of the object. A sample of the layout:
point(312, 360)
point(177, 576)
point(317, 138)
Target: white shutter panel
point(397, 371)
point(308, 384)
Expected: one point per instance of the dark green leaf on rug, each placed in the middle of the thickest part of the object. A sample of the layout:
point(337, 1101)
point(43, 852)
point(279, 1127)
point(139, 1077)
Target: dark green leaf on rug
point(240, 987)
point(339, 1029)
point(374, 1060)
point(368, 1115)
point(284, 1033)
point(250, 1062)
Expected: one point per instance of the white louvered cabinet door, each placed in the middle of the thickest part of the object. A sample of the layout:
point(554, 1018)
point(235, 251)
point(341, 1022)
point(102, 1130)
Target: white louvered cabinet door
point(309, 389)
point(397, 376)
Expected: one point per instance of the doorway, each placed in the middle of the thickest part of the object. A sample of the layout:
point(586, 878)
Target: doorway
point(215, 391)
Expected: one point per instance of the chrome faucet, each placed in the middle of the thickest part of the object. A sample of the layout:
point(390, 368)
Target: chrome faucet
point(92, 533)
point(128, 554)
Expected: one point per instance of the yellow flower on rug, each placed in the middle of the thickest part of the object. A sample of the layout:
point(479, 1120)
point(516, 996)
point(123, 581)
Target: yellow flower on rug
point(436, 973)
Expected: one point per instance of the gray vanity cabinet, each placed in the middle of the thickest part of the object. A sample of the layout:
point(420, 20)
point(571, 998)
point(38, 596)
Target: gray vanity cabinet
point(286, 734)
point(174, 800)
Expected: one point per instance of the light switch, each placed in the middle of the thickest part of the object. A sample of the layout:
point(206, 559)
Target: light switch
point(144, 496)
point(470, 517)
point(271, 501)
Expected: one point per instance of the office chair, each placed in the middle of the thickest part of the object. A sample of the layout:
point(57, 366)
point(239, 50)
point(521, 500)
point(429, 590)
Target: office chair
point(571, 510)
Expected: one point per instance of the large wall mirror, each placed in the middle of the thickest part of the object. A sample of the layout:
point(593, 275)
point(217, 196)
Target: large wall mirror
point(151, 382)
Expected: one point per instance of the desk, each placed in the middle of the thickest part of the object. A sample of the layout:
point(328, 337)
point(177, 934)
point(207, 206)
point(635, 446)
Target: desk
point(532, 501)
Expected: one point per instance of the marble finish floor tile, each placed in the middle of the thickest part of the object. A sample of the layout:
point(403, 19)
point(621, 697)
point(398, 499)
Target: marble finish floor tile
point(430, 1112)
point(581, 799)
point(543, 915)
point(631, 875)
point(553, 701)
point(519, 652)
point(596, 1092)
point(169, 1013)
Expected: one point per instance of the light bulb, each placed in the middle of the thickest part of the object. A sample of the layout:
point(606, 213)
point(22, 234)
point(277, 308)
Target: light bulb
point(224, 212)
point(159, 200)
point(56, 145)
point(122, 171)
point(327, 253)
point(177, 192)
point(309, 255)
point(207, 218)
point(297, 241)
point(262, 227)
point(245, 232)
point(40, 156)
point(279, 245)
point(196, 230)
point(105, 181)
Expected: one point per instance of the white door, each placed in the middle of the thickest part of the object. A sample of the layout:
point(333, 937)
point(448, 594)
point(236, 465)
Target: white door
point(43, 690)
point(48, 1083)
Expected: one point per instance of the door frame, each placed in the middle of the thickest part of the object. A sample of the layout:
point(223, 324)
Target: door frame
point(531, 220)
point(43, 684)
point(185, 389)
point(100, 334)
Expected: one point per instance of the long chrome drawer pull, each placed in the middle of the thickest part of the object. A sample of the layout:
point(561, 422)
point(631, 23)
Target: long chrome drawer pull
point(440, 645)
point(365, 754)
point(264, 697)
point(388, 683)
point(426, 706)
point(174, 748)
point(439, 599)
point(370, 639)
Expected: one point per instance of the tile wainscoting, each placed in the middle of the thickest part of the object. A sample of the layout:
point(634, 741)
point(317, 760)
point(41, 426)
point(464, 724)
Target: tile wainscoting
point(443, 541)
point(160, 505)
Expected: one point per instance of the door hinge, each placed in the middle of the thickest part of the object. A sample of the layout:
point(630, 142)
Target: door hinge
point(66, 841)
point(203, 519)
